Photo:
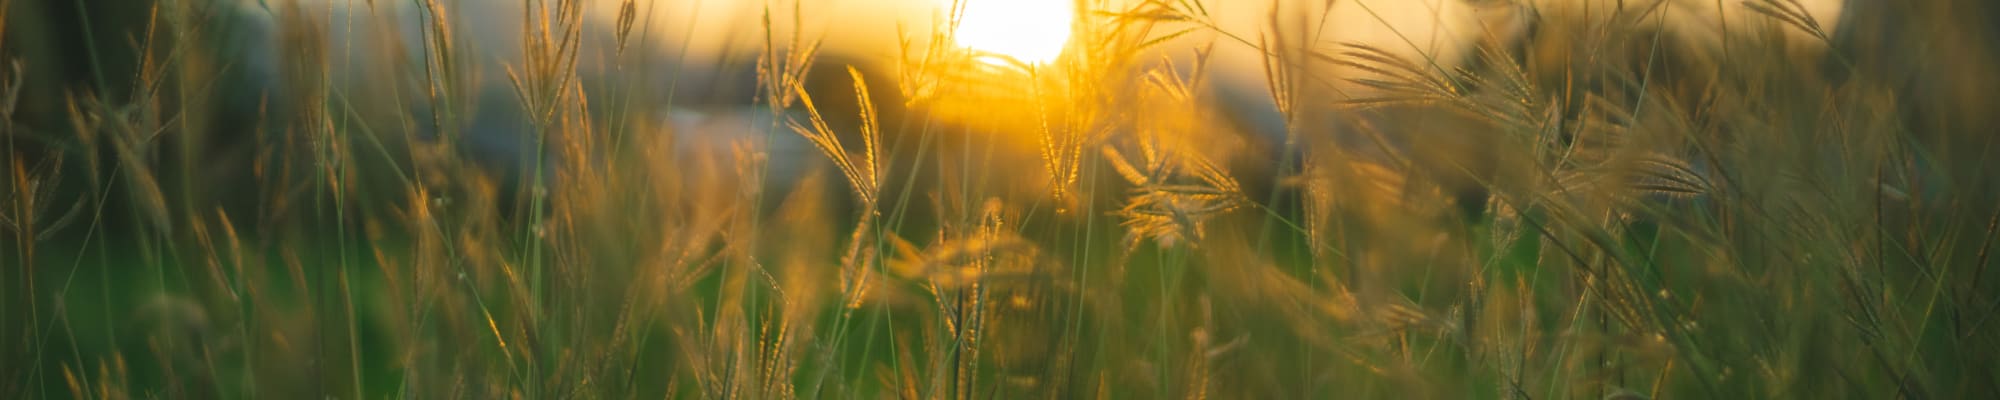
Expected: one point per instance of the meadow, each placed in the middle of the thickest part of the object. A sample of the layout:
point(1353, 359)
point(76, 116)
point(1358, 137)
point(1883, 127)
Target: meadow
point(1120, 199)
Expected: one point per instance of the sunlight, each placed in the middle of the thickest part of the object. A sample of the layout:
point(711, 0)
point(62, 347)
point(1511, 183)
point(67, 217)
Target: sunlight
point(1032, 31)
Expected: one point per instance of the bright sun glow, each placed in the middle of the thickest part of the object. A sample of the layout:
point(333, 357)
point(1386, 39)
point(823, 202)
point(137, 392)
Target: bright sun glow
point(1032, 31)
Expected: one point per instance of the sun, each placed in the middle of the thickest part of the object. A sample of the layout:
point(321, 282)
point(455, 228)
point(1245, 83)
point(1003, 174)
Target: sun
point(1030, 31)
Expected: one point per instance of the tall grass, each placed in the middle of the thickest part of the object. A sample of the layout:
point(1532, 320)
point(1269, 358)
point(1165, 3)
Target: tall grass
point(1596, 211)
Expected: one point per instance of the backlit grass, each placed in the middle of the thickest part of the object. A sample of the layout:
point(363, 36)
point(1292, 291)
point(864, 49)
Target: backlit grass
point(315, 199)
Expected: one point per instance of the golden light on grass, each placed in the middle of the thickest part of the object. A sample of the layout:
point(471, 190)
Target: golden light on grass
point(1029, 31)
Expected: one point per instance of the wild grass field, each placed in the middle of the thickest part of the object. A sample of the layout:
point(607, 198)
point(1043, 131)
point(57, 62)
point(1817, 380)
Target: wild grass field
point(305, 199)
